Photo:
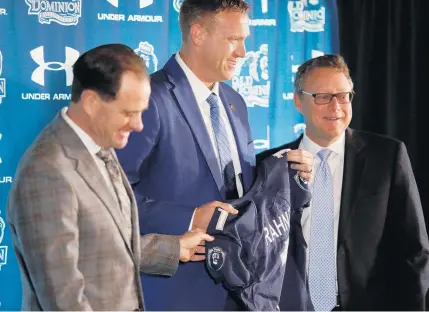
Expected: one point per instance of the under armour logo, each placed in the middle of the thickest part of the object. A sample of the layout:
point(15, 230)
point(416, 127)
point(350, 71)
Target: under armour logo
point(38, 56)
point(143, 3)
point(264, 6)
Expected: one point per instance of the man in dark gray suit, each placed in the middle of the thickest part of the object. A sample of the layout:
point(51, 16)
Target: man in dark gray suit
point(71, 210)
point(367, 243)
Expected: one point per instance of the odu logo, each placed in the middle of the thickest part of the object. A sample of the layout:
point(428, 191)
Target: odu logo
point(3, 249)
point(146, 52)
point(62, 12)
point(216, 258)
point(38, 56)
point(2, 80)
point(143, 3)
point(302, 18)
point(253, 84)
point(177, 4)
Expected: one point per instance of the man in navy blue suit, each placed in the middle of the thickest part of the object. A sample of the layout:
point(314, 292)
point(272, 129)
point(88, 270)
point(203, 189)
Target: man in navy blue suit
point(196, 150)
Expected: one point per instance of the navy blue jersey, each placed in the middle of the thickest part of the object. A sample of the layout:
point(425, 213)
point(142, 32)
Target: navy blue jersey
point(250, 249)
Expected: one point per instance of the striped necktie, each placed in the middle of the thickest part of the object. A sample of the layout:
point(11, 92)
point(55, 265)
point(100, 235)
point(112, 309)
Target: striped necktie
point(223, 147)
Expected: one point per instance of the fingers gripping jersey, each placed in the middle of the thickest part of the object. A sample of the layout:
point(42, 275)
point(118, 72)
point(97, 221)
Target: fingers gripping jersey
point(249, 252)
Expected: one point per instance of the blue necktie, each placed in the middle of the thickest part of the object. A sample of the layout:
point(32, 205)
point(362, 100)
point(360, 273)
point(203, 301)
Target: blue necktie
point(322, 265)
point(223, 147)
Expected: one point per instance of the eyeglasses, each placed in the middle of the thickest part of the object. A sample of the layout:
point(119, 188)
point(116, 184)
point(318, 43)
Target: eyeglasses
point(326, 98)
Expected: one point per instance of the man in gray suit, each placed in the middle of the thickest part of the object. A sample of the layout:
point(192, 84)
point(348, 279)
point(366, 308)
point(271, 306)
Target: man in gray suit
point(71, 210)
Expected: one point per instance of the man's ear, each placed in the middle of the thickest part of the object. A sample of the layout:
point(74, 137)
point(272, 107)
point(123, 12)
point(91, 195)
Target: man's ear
point(297, 102)
point(198, 34)
point(91, 102)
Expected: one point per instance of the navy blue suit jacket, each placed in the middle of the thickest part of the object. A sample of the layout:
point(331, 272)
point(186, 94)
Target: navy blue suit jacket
point(173, 169)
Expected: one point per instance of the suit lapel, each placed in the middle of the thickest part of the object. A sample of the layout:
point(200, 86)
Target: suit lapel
point(186, 101)
point(354, 167)
point(294, 144)
point(88, 170)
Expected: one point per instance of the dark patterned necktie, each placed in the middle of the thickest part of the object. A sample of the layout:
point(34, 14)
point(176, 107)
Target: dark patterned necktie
point(114, 172)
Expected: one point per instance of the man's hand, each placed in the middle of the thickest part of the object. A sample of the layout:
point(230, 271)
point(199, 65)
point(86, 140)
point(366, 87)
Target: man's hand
point(189, 245)
point(303, 163)
point(204, 214)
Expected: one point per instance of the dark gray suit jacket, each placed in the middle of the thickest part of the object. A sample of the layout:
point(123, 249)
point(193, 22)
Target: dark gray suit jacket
point(383, 249)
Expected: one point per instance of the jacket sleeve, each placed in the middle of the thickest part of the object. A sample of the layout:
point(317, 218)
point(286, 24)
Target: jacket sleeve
point(412, 235)
point(159, 254)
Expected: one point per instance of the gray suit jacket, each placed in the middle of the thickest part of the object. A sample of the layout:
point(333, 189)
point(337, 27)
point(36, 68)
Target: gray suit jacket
point(67, 230)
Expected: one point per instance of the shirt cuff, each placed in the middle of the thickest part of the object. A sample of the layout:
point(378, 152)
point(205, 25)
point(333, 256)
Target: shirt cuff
point(192, 220)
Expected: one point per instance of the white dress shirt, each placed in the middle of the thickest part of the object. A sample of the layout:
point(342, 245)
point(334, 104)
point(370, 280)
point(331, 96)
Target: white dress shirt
point(92, 147)
point(336, 164)
point(201, 93)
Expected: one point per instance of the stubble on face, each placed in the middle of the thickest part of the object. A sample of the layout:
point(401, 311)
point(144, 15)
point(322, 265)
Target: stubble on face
point(224, 45)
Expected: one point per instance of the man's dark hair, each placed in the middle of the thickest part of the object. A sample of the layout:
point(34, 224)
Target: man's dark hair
point(325, 61)
point(100, 69)
point(192, 11)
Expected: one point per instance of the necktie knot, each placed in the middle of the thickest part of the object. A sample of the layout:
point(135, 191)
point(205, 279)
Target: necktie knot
point(324, 154)
point(212, 100)
point(105, 155)
point(111, 165)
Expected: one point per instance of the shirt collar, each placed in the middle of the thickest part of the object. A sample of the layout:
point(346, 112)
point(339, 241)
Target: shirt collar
point(89, 143)
point(338, 147)
point(200, 90)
